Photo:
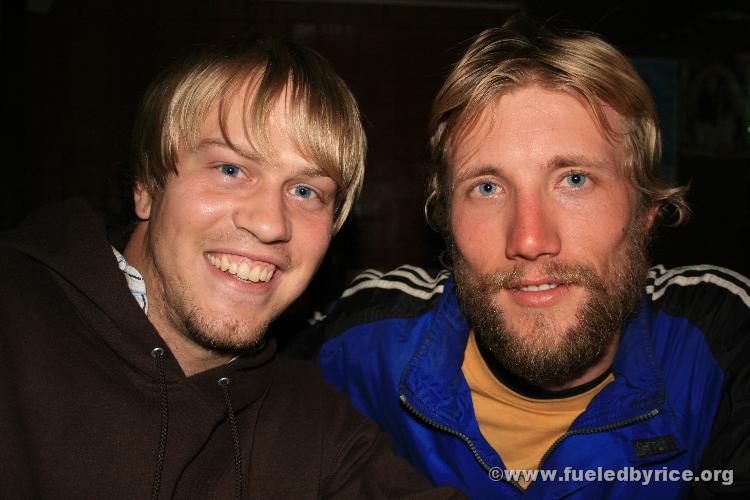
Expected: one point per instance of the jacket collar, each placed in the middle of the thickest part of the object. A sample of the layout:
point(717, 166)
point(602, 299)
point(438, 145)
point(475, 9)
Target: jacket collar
point(639, 386)
point(434, 385)
point(433, 375)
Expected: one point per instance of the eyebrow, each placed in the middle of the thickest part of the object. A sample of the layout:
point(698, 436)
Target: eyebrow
point(564, 161)
point(245, 153)
point(473, 172)
point(251, 155)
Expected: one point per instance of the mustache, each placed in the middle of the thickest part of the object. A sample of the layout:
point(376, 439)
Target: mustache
point(556, 272)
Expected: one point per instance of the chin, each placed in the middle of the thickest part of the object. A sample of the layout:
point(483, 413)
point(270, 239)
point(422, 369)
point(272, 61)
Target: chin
point(223, 335)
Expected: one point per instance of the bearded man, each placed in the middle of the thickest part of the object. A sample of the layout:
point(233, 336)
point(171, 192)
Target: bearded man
point(538, 352)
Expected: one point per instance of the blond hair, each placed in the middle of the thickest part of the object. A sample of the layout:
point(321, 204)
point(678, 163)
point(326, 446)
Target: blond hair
point(322, 121)
point(521, 53)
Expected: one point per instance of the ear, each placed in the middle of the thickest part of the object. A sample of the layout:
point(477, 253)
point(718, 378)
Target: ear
point(143, 201)
point(651, 214)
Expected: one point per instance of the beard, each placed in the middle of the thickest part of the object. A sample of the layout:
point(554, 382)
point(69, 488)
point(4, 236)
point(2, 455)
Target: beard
point(547, 355)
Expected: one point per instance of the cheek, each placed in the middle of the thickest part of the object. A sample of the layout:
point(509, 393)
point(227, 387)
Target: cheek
point(477, 233)
point(199, 201)
point(600, 238)
point(311, 238)
point(185, 214)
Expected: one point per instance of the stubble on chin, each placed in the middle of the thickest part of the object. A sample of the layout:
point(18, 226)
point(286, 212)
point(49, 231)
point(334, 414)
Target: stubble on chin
point(223, 336)
point(173, 305)
point(214, 331)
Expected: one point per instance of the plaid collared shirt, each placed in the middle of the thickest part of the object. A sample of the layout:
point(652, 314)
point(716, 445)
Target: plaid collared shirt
point(135, 281)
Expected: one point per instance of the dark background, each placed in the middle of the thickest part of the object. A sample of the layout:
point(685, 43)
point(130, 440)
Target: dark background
point(73, 72)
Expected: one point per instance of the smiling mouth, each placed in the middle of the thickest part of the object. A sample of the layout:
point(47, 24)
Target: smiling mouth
point(242, 269)
point(538, 288)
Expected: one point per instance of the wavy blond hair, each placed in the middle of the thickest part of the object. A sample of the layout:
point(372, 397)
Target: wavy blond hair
point(521, 53)
point(323, 119)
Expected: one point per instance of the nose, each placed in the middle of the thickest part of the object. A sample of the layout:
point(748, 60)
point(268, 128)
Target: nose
point(532, 231)
point(264, 214)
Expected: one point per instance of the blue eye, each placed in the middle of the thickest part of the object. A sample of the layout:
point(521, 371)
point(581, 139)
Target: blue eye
point(576, 180)
point(303, 192)
point(486, 188)
point(230, 170)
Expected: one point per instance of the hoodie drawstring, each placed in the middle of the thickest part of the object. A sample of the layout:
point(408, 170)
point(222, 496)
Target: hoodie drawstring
point(224, 383)
point(158, 354)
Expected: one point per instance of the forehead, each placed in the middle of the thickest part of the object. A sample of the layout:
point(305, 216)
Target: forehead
point(240, 110)
point(532, 123)
point(259, 128)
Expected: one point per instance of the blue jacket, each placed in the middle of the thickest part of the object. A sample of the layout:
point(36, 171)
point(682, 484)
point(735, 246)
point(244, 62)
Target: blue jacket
point(678, 401)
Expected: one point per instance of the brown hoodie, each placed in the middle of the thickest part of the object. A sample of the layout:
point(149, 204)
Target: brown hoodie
point(86, 410)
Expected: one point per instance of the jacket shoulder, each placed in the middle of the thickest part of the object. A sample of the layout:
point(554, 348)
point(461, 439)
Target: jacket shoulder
point(715, 299)
point(405, 292)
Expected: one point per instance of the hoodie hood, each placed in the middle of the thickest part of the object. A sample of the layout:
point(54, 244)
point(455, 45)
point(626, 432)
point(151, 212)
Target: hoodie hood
point(70, 239)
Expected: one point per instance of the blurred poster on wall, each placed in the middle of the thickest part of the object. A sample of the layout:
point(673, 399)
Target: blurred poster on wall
point(717, 108)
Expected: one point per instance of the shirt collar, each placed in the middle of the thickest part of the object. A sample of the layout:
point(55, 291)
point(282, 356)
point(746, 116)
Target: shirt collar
point(134, 279)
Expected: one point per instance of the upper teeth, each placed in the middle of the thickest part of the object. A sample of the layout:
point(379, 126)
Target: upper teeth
point(538, 288)
point(243, 269)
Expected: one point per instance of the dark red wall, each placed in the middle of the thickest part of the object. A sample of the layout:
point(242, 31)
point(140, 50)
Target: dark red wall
point(74, 71)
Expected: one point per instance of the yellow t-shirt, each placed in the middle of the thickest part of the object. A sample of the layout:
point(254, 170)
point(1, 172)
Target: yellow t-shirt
point(519, 428)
